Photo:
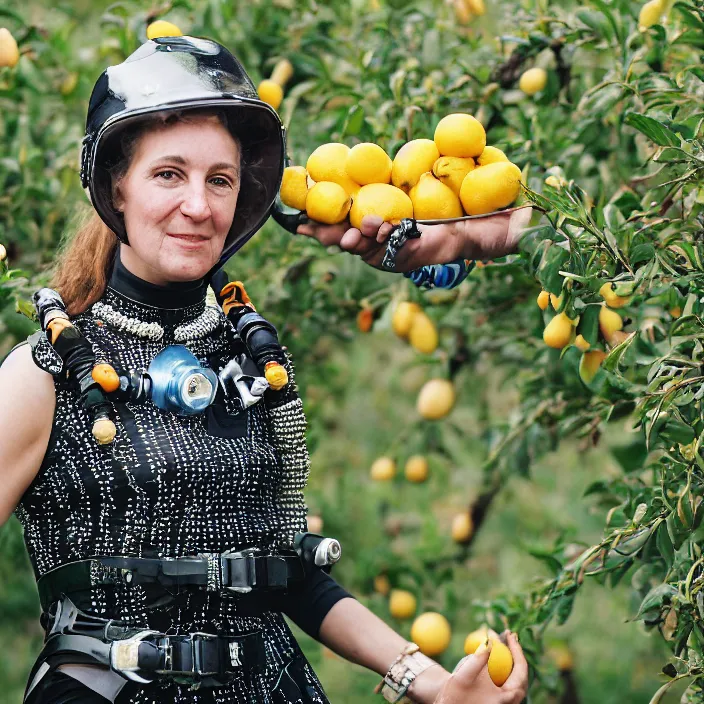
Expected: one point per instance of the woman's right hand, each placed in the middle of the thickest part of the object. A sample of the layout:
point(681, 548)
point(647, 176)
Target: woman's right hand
point(471, 684)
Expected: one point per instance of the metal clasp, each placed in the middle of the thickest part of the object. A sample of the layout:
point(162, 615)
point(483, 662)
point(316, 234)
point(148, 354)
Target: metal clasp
point(124, 656)
point(246, 555)
point(196, 653)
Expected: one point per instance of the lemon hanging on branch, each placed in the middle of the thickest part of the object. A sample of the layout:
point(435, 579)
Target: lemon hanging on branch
point(432, 633)
point(436, 399)
point(9, 51)
point(533, 80)
point(162, 28)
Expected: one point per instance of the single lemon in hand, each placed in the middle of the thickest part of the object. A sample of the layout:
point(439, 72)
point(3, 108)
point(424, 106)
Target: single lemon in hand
point(558, 332)
point(462, 527)
point(294, 187)
point(416, 469)
point(491, 155)
point(402, 319)
point(383, 469)
point(533, 80)
point(436, 399)
point(460, 134)
point(451, 170)
point(271, 93)
point(9, 51)
point(382, 199)
point(489, 188)
point(327, 163)
point(368, 163)
point(402, 604)
point(433, 200)
point(162, 28)
point(432, 633)
point(327, 202)
point(412, 160)
point(500, 663)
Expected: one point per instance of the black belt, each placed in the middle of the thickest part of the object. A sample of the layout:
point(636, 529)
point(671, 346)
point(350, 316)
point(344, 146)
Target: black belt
point(239, 572)
point(197, 659)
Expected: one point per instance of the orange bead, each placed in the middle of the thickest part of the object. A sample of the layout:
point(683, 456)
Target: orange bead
point(106, 377)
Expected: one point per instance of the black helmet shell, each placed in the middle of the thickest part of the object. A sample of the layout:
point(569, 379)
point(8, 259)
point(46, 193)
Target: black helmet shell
point(182, 73)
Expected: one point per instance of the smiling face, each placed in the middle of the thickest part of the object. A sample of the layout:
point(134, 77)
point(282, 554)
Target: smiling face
point(178, 198)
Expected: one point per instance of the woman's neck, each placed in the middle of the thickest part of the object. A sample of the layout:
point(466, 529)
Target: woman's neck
point(169, 296)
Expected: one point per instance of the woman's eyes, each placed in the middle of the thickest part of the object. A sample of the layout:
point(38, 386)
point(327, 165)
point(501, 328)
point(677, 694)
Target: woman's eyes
point(167, 175)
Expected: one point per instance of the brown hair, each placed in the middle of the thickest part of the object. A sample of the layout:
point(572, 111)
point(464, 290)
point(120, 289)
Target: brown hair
point(85, 260)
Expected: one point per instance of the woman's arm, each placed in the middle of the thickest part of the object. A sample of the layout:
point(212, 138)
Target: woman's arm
point(358, 635)
point(483, 238)
point(27, 401)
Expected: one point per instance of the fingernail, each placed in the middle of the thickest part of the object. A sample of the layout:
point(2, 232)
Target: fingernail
point(485, 646)
point(515, 635)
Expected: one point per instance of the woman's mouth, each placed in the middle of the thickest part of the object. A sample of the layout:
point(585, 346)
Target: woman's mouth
point(188, 239)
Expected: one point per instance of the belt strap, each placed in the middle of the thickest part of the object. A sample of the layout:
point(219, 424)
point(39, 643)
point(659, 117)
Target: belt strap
point(144, 655)
point(239, 572)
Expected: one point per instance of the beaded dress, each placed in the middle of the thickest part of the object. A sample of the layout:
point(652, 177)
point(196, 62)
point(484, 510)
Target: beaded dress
point(174, 486)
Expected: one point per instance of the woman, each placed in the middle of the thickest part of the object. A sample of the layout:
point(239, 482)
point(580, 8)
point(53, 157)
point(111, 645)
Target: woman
point(168, 550)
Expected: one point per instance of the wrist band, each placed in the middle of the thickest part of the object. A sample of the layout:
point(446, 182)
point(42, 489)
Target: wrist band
point(406, 230)
point(442, 275)
point(403, 672)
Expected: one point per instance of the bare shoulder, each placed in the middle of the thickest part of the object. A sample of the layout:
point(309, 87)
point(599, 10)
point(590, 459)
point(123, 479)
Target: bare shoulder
point(27, 402)
point(21, 378)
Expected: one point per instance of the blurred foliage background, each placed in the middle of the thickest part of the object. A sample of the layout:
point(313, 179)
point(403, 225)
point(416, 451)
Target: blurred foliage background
point(556, 464)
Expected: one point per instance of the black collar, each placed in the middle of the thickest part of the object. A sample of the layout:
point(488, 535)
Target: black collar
point(170, 297)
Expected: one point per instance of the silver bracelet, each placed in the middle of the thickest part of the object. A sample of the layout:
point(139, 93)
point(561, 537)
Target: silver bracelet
point(403, 672)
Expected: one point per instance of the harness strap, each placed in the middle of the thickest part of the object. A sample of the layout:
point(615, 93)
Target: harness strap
point(239, 572)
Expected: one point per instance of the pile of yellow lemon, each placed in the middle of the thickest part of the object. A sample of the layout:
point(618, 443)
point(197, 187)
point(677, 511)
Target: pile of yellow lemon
point(451, 175)
point(562, 330)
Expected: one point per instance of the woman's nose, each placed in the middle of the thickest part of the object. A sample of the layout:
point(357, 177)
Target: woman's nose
point(195, 202)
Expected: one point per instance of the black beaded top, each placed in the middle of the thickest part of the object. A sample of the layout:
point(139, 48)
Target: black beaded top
point(172, 486)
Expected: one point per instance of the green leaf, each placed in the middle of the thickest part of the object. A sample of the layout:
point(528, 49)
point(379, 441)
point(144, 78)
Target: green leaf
point(653, 129)
point(589, 324)
point(664, 545)
point(655, 598)
point(354, 121)
point(630, 457)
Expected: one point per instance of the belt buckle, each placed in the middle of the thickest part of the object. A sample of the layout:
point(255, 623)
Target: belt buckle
point(197, 655)
point(124, 656)
point(248, 555)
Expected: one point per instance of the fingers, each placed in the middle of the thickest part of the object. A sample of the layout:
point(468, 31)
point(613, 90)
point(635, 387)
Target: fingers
point(518, 678)
point(469, 668)
point(374, 227)
point(327, 235)
point(520, 219)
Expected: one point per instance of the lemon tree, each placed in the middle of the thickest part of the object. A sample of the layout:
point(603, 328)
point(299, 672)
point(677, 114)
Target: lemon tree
point(595, 328)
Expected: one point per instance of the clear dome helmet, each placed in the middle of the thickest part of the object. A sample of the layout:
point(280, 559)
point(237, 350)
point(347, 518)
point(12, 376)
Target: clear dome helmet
point(181, 74)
